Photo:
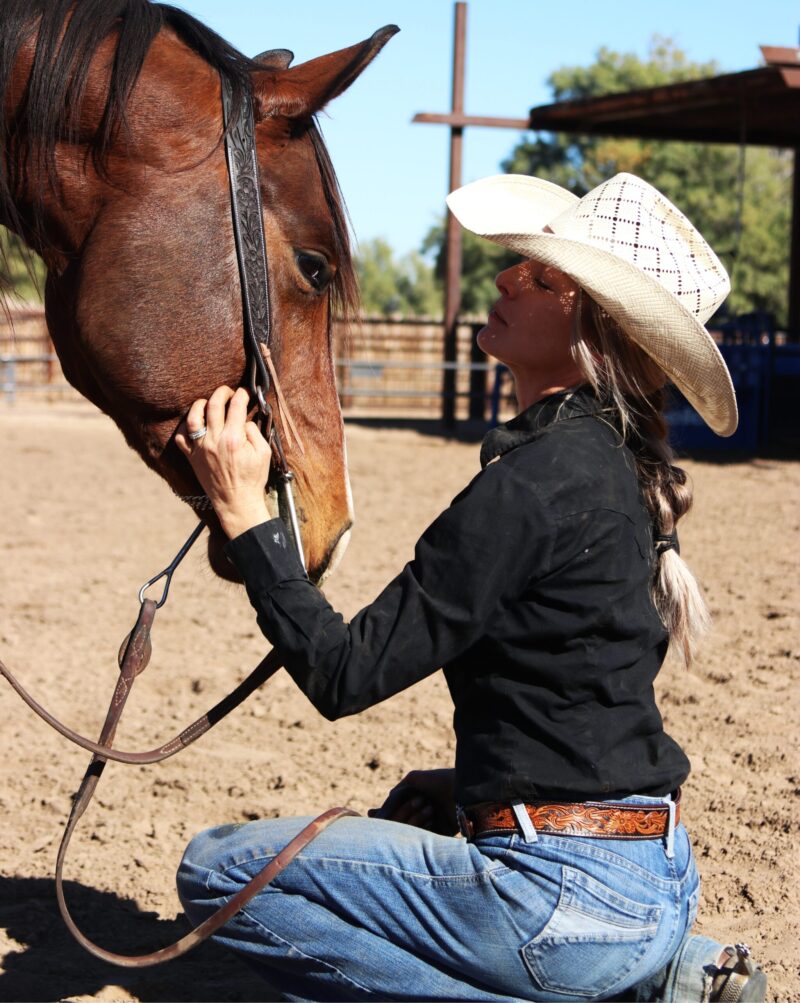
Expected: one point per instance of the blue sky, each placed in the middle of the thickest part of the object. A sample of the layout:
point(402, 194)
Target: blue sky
point(393, 173)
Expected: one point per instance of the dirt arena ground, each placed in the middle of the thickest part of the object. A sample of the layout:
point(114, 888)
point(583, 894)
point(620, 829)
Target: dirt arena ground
point(84, 524)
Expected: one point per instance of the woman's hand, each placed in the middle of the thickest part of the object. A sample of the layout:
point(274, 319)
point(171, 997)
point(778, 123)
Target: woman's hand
point(231, 460)
point(424, 798)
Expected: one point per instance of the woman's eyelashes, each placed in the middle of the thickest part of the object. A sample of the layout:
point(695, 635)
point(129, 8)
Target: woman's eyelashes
point(542, 284)
point(314, 269)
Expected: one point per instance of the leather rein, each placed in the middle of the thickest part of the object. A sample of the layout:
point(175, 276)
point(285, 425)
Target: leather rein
point(136, 650)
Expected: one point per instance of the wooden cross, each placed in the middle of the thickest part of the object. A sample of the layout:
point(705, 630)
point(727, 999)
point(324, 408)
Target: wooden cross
point(457, 120)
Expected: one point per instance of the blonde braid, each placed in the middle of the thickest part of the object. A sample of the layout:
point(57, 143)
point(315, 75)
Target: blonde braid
point(668, 497)
point(632, 385)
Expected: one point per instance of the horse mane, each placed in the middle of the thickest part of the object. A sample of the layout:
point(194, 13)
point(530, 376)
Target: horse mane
point(69, 33)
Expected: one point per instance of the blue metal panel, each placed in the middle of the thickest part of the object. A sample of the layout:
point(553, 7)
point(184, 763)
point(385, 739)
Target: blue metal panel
point(762, 375)
point(749, 367)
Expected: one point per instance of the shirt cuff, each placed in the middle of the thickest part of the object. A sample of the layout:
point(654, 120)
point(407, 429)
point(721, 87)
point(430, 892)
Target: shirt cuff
point(265, 555)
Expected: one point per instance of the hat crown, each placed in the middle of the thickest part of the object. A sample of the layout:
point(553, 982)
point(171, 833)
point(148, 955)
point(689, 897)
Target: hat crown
point(629, 218)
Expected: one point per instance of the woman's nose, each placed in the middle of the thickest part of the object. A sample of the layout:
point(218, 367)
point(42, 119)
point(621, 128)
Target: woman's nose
point(508, 281)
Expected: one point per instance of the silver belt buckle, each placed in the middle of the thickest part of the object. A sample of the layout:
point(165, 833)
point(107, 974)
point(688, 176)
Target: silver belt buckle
point(465, 827)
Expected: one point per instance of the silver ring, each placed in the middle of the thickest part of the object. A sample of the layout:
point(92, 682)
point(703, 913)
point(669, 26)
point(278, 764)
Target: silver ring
point(199, 434)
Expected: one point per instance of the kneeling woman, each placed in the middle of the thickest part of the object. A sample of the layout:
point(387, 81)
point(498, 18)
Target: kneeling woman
point(549, 592)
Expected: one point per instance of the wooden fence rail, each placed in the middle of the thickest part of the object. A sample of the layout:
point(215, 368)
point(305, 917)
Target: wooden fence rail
point(383, 367)
point(394, 368)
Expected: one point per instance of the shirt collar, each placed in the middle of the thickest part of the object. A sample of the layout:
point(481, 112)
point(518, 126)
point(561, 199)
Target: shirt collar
point(534, 420)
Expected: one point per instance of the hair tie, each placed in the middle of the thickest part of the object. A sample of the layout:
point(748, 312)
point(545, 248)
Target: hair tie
point(665, 542)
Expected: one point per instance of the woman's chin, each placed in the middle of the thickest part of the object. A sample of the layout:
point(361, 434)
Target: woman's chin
point(483, 339)
point(491, 340)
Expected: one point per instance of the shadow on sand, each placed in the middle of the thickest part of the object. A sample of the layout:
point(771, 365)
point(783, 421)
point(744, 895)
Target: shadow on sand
point(44, 963)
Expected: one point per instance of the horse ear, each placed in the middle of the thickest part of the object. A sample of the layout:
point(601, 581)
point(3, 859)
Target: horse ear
point(305, 89)
point(275, 59)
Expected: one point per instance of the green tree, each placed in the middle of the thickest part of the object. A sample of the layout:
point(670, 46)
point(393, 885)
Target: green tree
point(21, 272)
point(389, 286)
point(743, 213)
point(481, 261)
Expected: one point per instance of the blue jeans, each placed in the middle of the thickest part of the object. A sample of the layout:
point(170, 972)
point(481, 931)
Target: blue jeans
point(373, 909)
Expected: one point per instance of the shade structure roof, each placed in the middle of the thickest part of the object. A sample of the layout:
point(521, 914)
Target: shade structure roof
point(758, 107)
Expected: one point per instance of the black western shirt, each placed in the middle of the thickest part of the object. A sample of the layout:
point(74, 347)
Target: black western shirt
point(532, 592)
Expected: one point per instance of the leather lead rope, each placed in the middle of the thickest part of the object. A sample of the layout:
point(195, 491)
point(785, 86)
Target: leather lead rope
point(222, 915)
point(266, 668)
point(134, 659)
point(137, 649)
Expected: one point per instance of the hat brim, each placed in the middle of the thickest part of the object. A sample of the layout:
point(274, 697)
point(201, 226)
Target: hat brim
point(650, 315)
point(515, 204)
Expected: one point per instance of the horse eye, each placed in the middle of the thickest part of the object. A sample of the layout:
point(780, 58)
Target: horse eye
point(315, 269)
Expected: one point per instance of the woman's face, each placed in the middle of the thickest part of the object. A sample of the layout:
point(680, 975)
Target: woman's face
point(530, 326)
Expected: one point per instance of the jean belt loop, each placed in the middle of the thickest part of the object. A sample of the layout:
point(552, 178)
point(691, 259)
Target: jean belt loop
point(670, 835)
point(524, 821)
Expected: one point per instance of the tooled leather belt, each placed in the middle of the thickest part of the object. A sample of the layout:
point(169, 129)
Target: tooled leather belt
point(596, 819)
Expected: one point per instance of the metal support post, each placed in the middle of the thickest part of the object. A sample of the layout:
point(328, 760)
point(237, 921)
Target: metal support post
point(452, 298)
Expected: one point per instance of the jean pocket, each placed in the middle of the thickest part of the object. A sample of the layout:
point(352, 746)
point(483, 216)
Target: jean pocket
point(592, 941)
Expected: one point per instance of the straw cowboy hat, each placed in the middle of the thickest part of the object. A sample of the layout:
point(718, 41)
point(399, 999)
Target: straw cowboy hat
point(635, 254)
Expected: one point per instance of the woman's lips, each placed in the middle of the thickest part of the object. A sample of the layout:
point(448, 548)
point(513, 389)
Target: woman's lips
point(493, 313)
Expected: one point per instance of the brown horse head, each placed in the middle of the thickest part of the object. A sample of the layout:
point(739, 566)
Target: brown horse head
point(115, 172)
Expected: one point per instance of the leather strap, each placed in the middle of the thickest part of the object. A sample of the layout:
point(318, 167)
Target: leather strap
point(265, 668)
point(136, 651)
point(134, 660)
point(251, 256)
point(598, 819)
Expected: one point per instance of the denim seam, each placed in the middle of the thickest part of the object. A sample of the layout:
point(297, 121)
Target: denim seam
point(326, 964)
point(483, 877)
point(551, 843)
point(282, 940)
point(278, 940)
point(677, 910)
point(209, 872)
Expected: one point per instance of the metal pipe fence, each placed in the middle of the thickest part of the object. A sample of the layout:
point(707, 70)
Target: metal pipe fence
point(381, 365)
point(12, 384)
point(394, 367)
point(477, 390)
